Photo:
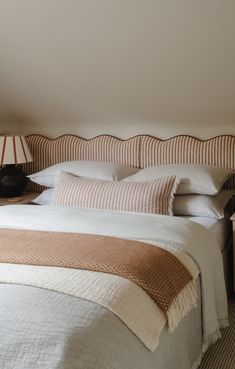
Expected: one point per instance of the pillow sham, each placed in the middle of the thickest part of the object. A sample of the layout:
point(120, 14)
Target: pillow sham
point(145, 197)
point(194, 179)
point(83, 168)
point(202, 205)
point(45, 198)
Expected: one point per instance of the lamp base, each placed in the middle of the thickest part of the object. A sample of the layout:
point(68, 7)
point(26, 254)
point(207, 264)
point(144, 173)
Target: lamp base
point(12, 181)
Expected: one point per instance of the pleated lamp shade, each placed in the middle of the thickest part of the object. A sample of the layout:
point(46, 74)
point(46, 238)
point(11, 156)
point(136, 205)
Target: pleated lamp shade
point(14, 150)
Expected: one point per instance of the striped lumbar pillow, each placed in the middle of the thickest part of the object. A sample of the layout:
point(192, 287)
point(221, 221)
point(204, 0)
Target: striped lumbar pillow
point(146, 197)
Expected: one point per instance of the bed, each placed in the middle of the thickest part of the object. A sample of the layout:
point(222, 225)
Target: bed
point(51, 322)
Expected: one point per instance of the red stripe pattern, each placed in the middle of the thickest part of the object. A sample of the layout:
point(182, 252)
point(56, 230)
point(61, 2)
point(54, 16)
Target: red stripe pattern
point(14, 148)
point(140, 151)
point(47, 152)
point(3, 150)
point(147, 197)
point(218, 151)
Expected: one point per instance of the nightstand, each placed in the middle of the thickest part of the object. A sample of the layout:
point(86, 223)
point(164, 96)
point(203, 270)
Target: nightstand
point(233, 220)
point(26, 198)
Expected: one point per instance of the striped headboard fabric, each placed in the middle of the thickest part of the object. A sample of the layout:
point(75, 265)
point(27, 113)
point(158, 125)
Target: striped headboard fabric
point(139, 151)
point(47, 152)
point(217, 151)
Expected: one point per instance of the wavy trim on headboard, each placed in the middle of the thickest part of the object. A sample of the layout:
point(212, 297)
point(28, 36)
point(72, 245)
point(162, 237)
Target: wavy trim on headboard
point(102, 147)
point(138, 151)
point(49, 151)
point(218, 151)
point(126, 139)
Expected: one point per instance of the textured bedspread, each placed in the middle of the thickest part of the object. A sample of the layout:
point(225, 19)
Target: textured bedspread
point(164, 278)
point(65, 332)
point(42, 329)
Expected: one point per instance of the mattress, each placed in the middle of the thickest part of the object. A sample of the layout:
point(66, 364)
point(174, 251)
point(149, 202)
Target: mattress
point(220, 228)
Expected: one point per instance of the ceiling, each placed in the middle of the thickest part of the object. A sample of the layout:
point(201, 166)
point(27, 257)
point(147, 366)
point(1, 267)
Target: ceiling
point(68, 63)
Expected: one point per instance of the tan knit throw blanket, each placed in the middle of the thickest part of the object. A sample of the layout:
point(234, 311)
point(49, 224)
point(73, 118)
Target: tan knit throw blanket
point(152, 268)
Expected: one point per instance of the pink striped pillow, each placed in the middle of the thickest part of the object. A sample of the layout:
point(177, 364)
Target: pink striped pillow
point(145, 197)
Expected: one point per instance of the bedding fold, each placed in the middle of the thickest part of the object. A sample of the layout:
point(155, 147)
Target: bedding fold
point(154, 269)
point(117, 294)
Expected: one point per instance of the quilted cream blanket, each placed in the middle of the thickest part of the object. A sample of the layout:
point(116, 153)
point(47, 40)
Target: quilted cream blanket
point(164, 278)
point(192, 243)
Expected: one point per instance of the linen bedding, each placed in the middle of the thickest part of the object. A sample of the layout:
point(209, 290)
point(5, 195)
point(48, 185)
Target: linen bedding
point(62, 352)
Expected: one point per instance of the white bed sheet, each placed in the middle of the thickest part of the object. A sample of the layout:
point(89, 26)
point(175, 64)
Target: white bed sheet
point(219, 228)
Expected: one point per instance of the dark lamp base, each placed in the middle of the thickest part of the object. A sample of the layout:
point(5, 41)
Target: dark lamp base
point(12, 181)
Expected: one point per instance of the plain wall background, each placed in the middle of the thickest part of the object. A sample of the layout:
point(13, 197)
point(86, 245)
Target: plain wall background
point(122, 67)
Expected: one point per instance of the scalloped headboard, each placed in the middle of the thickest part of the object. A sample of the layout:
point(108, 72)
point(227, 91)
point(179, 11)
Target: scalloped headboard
point(47, 152)
point(139, 151)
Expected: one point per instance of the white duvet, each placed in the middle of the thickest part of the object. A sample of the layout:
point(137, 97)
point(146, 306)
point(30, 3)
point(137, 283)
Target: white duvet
point(172, 232)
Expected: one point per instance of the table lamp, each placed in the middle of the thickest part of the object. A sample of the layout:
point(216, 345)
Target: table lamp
point(13, 151)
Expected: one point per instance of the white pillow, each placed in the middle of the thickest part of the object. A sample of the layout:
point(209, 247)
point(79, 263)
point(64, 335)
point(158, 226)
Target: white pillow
point(45, 197)
point(83, 168)
point(202, 205)
point(194, 179)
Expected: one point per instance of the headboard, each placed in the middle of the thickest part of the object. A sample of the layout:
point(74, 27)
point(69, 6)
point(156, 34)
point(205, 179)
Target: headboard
point(139, 151)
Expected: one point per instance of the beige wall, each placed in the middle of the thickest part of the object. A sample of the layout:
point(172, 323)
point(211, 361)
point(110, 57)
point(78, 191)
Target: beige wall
point(117, 66)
